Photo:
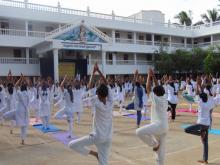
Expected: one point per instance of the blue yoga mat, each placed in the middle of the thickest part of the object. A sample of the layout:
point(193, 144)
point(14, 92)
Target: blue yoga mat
point(212, 131)
point(52, 128)
point(134, 116)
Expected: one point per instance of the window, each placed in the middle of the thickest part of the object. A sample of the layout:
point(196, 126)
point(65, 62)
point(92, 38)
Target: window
point(125, 57)
point(148, 37)
point(30, 27)
point(17, 53)
point(149, 57)
point(208, 39)
point(130, 36)
point(157, 38)
point(117, 35)
point(141, 37)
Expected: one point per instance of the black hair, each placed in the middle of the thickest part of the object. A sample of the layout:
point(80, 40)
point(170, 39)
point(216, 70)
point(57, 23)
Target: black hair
point(23, 87)
point(102, 90)
point(204, 97)
point(172, 85)
point(159, 90)
point(137, 84)
point(0, 88)
point(69, 89)
point(120, 86)
point(10, 87)
point(208, 87)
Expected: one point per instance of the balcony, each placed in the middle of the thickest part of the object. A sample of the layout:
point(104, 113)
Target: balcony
point(67, 11)
point(28, 67)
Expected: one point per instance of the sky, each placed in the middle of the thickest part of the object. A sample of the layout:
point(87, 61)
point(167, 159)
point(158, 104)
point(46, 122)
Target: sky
point(128, 7)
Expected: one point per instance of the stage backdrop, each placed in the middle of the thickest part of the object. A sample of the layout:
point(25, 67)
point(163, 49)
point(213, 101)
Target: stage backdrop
point(69, 67)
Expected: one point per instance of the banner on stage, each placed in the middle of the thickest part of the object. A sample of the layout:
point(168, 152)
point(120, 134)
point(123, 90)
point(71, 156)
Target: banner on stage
point(80, 46)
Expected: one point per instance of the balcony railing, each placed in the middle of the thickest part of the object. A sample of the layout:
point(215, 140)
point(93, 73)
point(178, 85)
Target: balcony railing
point(14, 32)
point(11, 60)
point(58, 9)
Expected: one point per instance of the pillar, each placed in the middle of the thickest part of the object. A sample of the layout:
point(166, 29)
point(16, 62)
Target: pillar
point(59, 7)
point(27, 55)
point(211, 40)
point(152, 37)
point(103, 61)
point(170, 42)
point(135, 37)
point(26, 27)
point(25, 2)
point(88, 11)
point(135, 58)
point(114, 58)
point(55, 64)
point(185, 42)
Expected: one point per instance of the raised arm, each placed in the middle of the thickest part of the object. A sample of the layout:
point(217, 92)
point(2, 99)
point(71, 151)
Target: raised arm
point(62, 83)
point(19, 81)
point(91, 78)
point(198, 86)
point(148, 85)
point(154, 78)
point(100, 73)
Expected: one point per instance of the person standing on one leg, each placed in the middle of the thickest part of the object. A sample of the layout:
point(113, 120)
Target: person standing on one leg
point(172, 92)
point(203, 122)
point(154, 134)
point(101, 136)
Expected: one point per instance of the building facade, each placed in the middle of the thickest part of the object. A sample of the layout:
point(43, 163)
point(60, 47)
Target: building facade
point(45, 40)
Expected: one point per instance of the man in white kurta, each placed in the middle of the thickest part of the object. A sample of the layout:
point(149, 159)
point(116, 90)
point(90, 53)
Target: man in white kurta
point(102, 133)
point(155, 133)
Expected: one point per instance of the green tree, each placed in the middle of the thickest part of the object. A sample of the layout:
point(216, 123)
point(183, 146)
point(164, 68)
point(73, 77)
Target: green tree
point(184, 18)
point(211, 15)
point(208, 62)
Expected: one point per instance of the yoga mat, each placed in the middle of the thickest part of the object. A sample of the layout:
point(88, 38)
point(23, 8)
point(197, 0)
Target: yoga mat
point(212, 131)
point(52, 128)
point(62, 137)
point(187, 110)
point(33, 122)
point(134, 116)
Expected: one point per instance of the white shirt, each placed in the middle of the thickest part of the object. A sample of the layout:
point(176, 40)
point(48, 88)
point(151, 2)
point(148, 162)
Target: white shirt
point(189, 89)
point(159, 111)
point(204, 113)
point(102, 122)
point(172, 98)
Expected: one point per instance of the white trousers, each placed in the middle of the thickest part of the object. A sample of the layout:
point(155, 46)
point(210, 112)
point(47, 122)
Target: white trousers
point(153, 135)
point(103, 148)
point(69, 116)
point(45, 121)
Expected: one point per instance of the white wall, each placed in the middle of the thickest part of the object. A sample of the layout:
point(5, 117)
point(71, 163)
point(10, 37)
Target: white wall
point(17, 69)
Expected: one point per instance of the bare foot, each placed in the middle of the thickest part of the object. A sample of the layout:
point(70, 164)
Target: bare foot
point(155, 149)
point(95, 154)
point(203, 161)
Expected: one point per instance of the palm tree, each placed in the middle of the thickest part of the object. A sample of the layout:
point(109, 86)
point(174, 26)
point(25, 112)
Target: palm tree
point(184, 18)
point(212, 15)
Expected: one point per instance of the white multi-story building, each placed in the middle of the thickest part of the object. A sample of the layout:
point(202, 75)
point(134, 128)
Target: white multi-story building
point(45, 40)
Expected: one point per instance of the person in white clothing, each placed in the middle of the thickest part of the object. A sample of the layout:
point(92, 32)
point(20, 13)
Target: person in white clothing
point(78, 100)
point(68, 106)
point(45, 103)
point(203, 122)
point(101, 136)
point(20, 114)
point(155, 133)
point(172, 91)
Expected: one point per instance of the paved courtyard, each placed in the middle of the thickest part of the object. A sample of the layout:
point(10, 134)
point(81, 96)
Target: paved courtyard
point(127, 149)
